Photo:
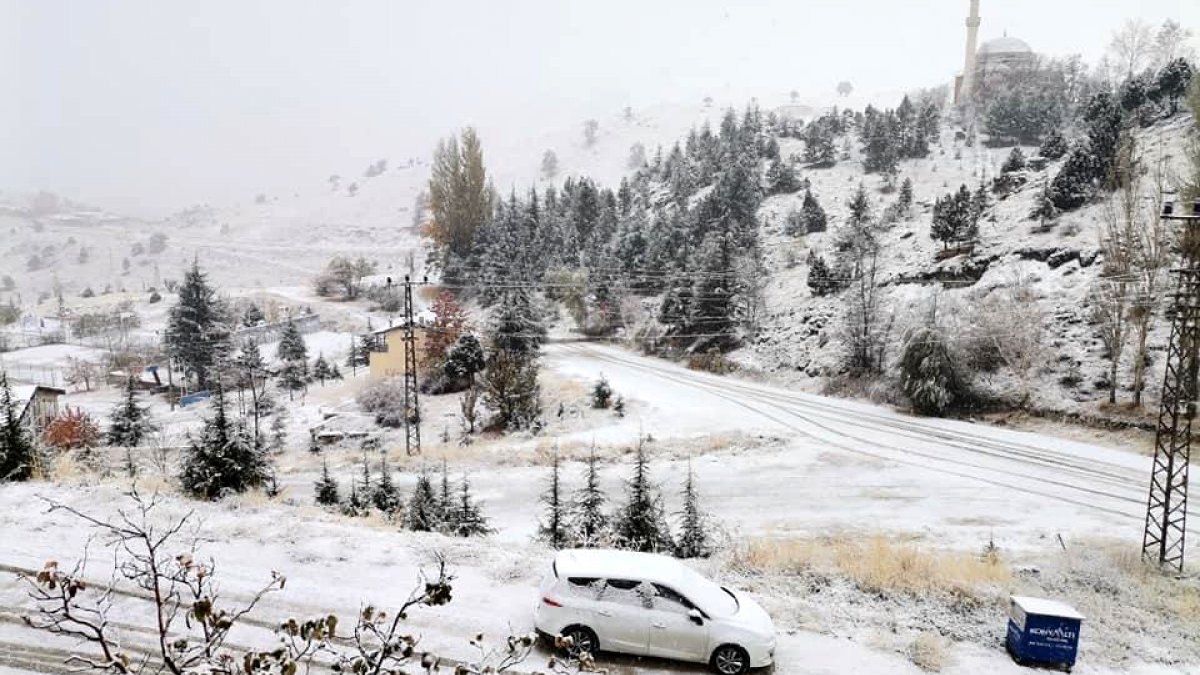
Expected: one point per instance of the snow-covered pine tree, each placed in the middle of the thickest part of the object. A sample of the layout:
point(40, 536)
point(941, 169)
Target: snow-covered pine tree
point(640, 524)
point(224, 458)
point(326, 488)
point(422, 512)
point(928, 374)
point(589, 522)
point(1054, 146)
point(694, 540)
point(467, 519)
point(279, 419)
point(906, 196)
point(18, 453)
point(820, 279)
point(386, 496)
point(1044, 209)
point(781, 179)
point(321, 370)
point(815, 219)
point(464, 361)
point(130, 423)
point(1015, 161)
point(602, 394)
point(355, 505)
point(713, 320)
point(197, 334)
point(553, 529)
point(293, 353)
point(445, 498)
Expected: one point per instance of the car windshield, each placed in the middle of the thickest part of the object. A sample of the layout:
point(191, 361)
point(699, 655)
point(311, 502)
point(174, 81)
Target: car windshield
point(709, 597)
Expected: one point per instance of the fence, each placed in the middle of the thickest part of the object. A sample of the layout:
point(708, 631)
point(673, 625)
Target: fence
point(46, 376)
point(272, 332)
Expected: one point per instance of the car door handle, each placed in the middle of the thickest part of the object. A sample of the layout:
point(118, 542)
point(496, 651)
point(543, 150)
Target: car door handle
point(659, 625)
point(603, 612)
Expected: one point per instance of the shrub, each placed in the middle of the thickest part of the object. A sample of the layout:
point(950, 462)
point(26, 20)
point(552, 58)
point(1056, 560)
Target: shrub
point(72, 430)
point(930, 377)
point(602, 394)
point(385, 398)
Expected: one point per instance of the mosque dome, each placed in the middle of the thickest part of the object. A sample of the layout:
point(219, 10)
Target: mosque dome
point(1004, 46)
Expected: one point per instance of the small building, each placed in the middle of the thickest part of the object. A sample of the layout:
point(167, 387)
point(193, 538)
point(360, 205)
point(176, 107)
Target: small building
point(36, 405)
point(386, 358)
point(1043, 632)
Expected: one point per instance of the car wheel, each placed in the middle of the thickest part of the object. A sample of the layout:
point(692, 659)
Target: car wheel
point(583, 639)
point(730, 660)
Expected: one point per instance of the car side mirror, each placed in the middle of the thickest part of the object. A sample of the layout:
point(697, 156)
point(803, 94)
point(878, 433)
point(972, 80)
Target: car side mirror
point(696, 617)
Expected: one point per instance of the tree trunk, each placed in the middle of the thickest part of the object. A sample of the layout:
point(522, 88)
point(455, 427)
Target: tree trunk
point(1139, 360)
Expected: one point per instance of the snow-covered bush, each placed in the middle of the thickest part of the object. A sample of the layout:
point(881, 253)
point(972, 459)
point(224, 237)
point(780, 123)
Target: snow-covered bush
point(929, 375)
point(385, 398)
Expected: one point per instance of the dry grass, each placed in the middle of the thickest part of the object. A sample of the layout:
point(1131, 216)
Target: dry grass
point(877, 564)
point(928, 652)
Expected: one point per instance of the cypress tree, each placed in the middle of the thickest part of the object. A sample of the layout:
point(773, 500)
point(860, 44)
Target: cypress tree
point(640, 524)
point(590, 523)
point(18, 455)
point(130, 422)
point(355, 505)
point(326, 487)
point(422, 512)
point(694, 541)
point(445, 501)
point(906, 196)
point(553, 530)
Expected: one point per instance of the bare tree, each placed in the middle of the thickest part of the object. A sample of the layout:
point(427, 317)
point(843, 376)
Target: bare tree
point(80, 372)
point(1151, 257)
point(1111, 295)
point(1172, 42)
point(1133, 46)
point(191, 625)
point(1012, 322)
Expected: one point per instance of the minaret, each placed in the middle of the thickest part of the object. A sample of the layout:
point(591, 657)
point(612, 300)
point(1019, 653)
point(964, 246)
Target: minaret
point(968, 78)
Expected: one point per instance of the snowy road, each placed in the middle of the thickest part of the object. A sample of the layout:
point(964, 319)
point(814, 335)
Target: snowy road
point(934, 474)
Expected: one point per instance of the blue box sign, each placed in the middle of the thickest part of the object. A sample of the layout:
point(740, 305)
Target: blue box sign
point(1043, 632)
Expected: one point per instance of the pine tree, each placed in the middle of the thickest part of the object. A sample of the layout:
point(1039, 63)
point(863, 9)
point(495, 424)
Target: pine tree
point(511, 389)
point(321, 370)
point(820, 280)
point(326, 488)
point(130, 422)
point(197, 334)
point(445, 500)
point(386, 496)
point(464, 361)
point(360, 351)
point(694, 540)
point(640, 524)
point(355, 506)
point(224, 458)
point(18, 454)
point(1044, 209)
point(467, 520)
point(1015, 161)
point(906, 196)
point(815, 219)
point(781, 179)
point(602, 394)
point(422, 512)
point(590, 525)
point(293, 375)
point(1054, 146)
point(553, 529)
point(929, 376)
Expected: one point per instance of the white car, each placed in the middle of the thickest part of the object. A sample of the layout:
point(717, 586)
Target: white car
point(652, 605)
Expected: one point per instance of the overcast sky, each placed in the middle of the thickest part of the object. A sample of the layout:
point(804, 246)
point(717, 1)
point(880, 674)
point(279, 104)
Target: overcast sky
point(155, 103)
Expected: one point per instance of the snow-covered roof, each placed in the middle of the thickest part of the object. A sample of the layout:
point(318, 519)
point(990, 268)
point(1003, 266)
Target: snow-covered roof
point(1044, 607)
point(1005, 45)
point(608, 564)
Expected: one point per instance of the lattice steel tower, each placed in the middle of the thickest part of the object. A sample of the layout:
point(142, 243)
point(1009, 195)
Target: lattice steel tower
point(1166, 508)
point(412, 407)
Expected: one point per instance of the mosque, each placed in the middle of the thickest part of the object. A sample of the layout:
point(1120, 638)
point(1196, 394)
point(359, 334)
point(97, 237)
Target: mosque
point(995, 58)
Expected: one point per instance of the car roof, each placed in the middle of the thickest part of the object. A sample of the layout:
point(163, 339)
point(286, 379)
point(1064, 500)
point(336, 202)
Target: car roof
point(609, 564)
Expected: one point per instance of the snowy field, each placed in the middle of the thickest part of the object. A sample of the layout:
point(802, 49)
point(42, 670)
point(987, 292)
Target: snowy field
point(770, 464)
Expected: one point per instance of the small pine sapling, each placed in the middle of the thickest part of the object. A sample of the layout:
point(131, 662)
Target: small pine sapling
point(468, 519)
point(694, 540)
point(602, 394)
point(640, 524)
point(590, 524)
point(553, 529)
point(326, 488)
point(386, 496)
point(422, 512)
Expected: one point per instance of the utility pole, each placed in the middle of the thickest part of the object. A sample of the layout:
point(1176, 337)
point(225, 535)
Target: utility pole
point(1166, 506)
point(412, 407)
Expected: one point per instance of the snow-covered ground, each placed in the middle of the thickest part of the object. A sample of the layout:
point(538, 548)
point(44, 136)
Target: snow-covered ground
point(770, 463)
